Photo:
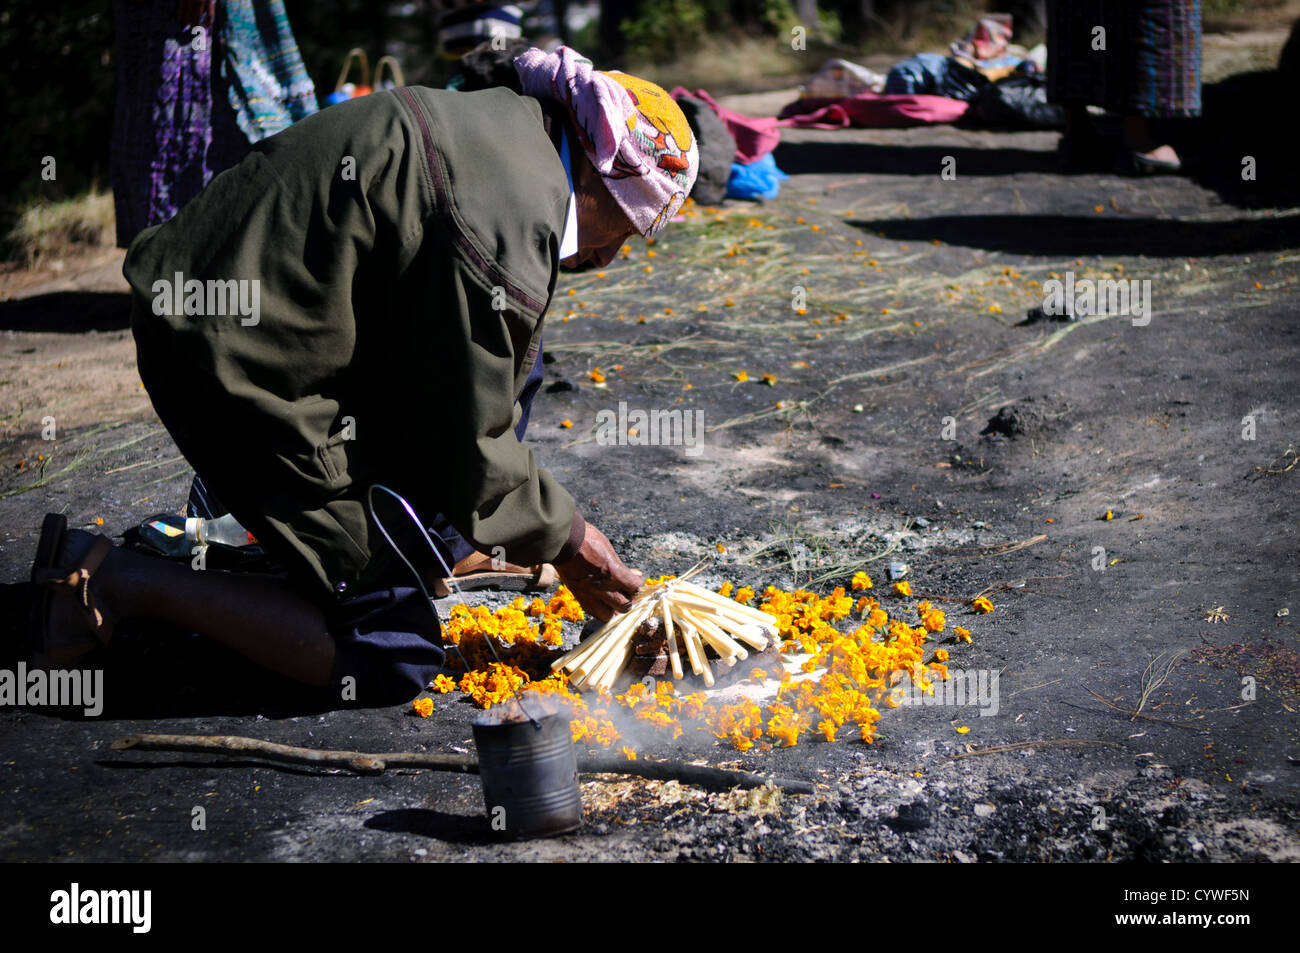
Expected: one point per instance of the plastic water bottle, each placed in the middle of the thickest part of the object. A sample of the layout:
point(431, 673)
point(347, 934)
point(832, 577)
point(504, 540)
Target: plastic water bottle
point(225, 531)
point(175, 535)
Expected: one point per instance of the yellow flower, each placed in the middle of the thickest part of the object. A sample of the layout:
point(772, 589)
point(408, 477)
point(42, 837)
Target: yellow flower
point(725, 589)
point(423, 707)
point(963, 634)
point(941, 655)
point(741, 376)
point(982, 605)
point(596, 375)
point(745, 594)
point(566, 424)
point(903, 588)
point(962, 730)
point(443, 685)
point(860, 581)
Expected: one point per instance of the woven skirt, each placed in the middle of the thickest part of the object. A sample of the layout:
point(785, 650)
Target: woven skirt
point(1133, 58)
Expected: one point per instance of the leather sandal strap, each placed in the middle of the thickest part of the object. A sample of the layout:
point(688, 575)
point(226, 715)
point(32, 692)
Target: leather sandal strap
point(77, 583)
point(94, 558)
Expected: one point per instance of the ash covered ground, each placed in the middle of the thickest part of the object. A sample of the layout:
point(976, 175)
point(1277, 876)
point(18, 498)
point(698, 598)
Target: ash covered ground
point(911, 416)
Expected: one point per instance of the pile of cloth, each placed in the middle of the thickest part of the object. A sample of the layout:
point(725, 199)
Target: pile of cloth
point(735, 150)
point(983, 77)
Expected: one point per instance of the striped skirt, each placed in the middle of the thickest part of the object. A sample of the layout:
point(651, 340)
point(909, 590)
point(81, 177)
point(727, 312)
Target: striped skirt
point(1130, 57)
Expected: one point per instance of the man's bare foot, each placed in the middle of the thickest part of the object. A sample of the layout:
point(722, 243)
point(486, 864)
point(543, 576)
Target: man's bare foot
point(1164, 154)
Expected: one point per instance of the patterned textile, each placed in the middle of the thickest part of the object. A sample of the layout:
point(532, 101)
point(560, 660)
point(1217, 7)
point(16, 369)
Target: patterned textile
point(1151, 64)
point(169, 135)
point(633, 132)
point(266, 80)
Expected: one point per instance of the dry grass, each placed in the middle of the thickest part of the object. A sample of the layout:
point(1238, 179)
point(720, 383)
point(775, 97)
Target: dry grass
point(44, 230)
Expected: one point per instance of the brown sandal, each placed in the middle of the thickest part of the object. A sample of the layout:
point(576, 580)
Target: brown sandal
point(476, 571)
point(54, 581)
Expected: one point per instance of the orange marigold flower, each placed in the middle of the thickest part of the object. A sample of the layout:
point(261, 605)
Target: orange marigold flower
point(982, 605)
point(423, 707)
point(903, 588)
point(861, 581)
point(442, 684)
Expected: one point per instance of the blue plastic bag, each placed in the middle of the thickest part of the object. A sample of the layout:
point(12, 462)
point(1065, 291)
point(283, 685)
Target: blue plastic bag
point(761, 179)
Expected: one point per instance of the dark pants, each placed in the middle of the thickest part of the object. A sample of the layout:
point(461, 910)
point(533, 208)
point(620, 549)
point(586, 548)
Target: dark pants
point(386, 639)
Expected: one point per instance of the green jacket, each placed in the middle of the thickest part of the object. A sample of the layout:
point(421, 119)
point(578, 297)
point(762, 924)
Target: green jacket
point(405, 247)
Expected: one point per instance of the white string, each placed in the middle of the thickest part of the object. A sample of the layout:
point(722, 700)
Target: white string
point(450, 579)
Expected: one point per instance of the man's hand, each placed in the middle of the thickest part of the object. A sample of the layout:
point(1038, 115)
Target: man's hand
point(598, 578)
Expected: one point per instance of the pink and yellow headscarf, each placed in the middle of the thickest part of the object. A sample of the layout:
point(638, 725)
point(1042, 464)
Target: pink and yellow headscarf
point(633, 132)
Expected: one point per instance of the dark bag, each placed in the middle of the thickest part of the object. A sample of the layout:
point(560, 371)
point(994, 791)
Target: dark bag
point(1018, 102)
point(716, 147)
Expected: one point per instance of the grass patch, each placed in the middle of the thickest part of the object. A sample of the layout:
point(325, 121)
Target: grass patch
point(45, 230)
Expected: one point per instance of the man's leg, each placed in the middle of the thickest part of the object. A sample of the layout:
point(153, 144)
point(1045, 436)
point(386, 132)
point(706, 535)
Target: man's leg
point(260, 617)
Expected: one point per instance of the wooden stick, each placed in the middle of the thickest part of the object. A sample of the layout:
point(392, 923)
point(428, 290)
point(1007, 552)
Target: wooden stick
point(581, 656)
point(612, 638)
point(753, 634)
point(695, 602)
point(693, 638)
point(674, 657)
point(731, 605)
point(724, 645)
point(613, 669)
point(716, 779)
point(728, 608)
point(691, 651)
point(614, 659)
point(355, 760)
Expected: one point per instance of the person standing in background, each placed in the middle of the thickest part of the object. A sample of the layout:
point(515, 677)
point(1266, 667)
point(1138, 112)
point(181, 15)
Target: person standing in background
point(1141, 60)
point(197, 83)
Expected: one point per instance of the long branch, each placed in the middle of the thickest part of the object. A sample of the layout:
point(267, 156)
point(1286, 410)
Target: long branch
point(713, 779)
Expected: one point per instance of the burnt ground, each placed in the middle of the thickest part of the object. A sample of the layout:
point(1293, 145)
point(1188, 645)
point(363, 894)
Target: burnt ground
point(911, 343)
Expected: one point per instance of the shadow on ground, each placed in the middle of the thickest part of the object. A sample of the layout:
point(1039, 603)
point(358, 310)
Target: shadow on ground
point(452, 828)
point(67, 312)
point(1078, 236)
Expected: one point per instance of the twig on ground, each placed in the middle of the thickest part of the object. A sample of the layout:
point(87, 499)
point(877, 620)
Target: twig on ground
point(1137, 714)
point(1024, 745)
point(714, 779)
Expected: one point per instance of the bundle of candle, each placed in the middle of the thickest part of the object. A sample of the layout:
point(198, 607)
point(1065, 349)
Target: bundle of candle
point(699, 618)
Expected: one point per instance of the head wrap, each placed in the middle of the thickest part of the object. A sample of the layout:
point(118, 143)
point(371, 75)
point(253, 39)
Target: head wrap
point(632, 131)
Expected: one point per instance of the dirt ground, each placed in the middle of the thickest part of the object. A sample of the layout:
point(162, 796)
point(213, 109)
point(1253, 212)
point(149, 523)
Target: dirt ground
point(913, 416)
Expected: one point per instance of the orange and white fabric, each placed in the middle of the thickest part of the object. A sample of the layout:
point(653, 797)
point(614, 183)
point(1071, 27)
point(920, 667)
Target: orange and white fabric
point(633, 132)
